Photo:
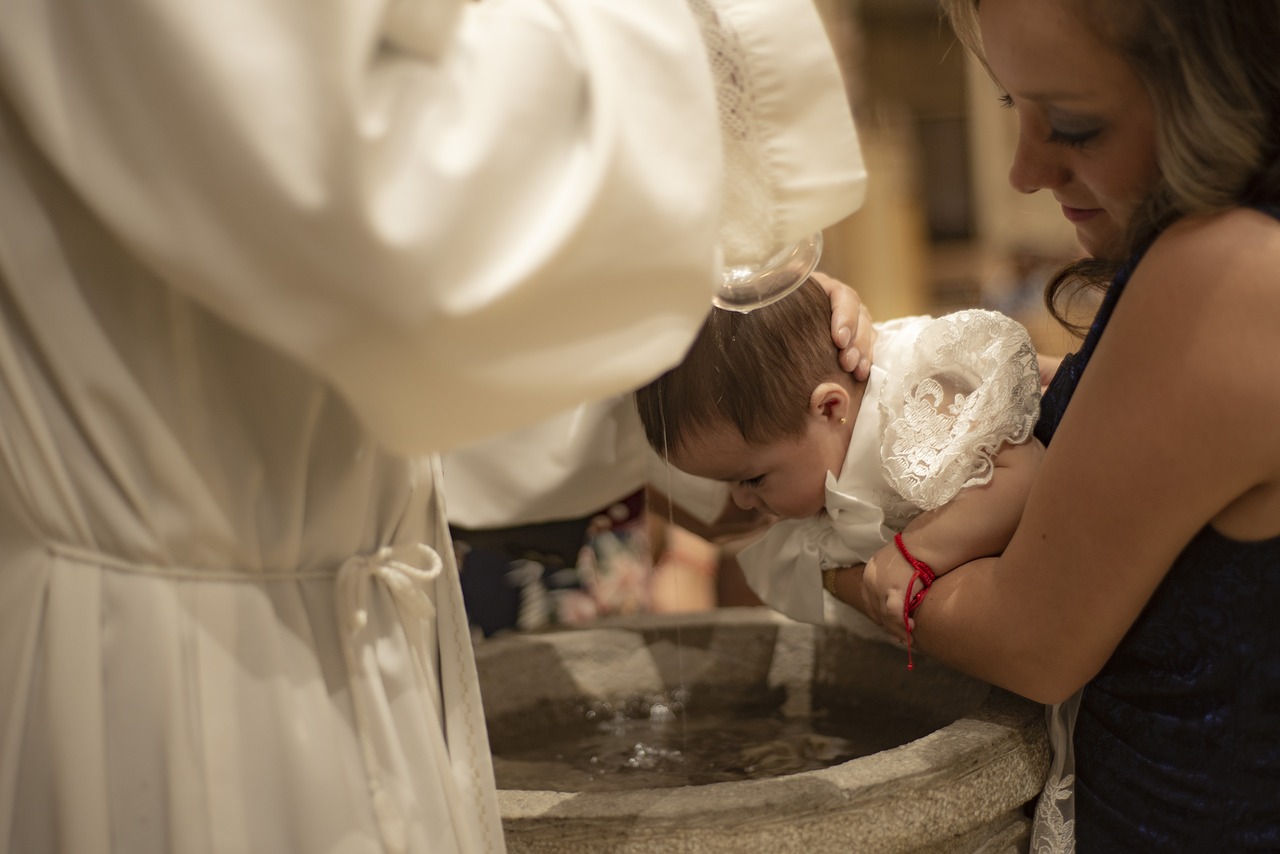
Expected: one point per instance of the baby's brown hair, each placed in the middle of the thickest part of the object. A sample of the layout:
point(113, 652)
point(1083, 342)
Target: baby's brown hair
point(755, 371)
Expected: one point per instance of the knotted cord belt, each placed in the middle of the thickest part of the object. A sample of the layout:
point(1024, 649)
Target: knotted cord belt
point(407, 572)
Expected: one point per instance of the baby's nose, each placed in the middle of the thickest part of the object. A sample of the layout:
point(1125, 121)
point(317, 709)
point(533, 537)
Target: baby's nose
point(744, 497)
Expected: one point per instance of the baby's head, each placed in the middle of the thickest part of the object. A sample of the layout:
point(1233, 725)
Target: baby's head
point(760, 401)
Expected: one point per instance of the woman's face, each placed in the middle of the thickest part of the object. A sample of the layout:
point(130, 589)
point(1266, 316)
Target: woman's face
point(1086, 125)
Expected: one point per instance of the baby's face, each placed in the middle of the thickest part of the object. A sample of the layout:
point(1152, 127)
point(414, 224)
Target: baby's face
point(787, 478)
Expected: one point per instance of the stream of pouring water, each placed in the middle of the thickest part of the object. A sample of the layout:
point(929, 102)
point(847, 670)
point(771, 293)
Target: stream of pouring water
point(671, 521)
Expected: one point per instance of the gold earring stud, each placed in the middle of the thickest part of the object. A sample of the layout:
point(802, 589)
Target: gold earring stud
point(843, 420)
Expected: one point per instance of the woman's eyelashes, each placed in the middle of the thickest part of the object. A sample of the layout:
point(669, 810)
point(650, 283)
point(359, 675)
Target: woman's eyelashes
point(1072, 139)
point(752, 482)
point(1058, 136)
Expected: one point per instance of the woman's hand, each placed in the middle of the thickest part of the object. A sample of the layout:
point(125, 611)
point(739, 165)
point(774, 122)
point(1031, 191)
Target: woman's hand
point(851, 327)
point(884, 589)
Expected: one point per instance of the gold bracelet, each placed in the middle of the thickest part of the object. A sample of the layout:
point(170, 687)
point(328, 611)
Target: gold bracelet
point(829, 581)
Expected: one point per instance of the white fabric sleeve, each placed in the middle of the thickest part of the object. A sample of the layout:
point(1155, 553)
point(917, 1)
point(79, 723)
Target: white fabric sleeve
point(970, 384)
point(467, 216)
point(784, 568)
point(566, 467)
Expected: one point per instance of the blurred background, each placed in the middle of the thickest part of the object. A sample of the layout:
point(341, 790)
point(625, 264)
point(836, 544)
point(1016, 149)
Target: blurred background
point(941, 228)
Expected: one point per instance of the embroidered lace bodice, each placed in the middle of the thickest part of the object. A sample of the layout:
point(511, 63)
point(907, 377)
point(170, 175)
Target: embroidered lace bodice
point(966, 389)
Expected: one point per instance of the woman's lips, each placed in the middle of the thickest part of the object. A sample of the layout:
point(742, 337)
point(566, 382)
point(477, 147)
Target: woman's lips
point(1079, 214)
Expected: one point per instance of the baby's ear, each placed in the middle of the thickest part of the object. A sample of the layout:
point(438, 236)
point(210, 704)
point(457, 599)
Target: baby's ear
point(830, 400)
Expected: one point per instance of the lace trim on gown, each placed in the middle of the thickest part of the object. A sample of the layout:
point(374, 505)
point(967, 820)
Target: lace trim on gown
point(971, 384)
point(1054, 828)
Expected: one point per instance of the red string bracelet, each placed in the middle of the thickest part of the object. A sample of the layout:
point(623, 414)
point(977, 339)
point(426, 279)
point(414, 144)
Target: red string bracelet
point(926, 576)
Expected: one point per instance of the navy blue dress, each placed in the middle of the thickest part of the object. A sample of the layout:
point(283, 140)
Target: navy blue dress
point(1178, 737)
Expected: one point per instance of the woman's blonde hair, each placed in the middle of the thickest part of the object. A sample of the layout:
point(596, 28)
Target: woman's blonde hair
point(754, 372)
point(1212, 72)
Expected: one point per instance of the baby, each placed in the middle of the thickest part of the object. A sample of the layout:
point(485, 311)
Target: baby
point(935, 447)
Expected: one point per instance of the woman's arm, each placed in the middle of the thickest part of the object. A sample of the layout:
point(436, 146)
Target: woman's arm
point(977, 523)
point(1165, 434)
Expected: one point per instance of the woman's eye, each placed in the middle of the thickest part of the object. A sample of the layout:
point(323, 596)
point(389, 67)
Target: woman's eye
point(1074, 139)
point(1071, 139)
point(753, 481)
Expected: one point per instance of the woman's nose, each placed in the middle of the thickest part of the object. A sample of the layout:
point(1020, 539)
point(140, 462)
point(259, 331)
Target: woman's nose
point(1037, 165)
point(744, 497)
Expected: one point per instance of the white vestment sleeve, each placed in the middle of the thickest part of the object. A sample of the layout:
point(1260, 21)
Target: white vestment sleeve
point(466, 216)
point(566, 467)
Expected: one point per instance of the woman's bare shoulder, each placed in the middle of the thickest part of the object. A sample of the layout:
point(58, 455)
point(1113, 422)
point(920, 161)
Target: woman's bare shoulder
point(1215, 279)
point(1240, 245)
point(1209, 293)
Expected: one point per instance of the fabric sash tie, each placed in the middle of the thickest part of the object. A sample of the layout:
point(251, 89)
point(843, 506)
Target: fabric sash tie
point(408, 572)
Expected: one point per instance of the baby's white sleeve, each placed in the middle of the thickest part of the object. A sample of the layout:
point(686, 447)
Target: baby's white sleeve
point(784, 568)
point(970, 384)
